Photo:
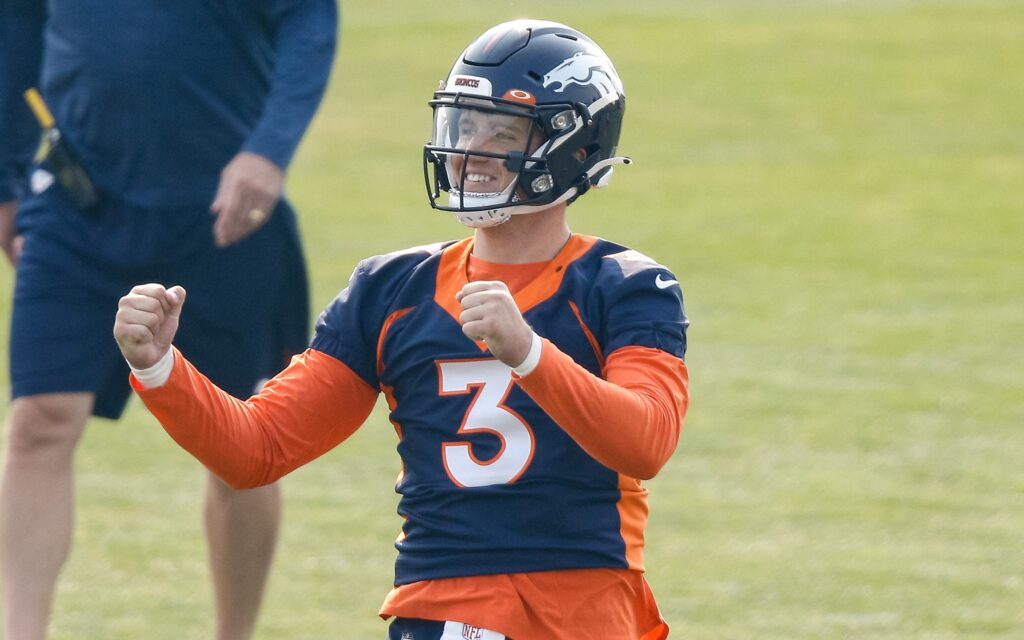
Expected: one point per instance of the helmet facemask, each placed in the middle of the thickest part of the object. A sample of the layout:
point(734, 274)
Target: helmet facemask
point(489, 156)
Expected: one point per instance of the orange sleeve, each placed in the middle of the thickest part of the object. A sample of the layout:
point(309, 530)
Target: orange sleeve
point(629, 421)
point(303, 412)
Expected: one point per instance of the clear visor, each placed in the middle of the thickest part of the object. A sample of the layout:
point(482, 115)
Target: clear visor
point(483, 148)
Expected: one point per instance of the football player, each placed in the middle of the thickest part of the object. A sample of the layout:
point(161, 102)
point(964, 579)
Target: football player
point(535, 376)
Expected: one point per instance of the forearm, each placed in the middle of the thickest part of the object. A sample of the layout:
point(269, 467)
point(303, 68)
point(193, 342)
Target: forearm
point(305, 411)
point(304, 42)
point(630, 422)
point(21, 45)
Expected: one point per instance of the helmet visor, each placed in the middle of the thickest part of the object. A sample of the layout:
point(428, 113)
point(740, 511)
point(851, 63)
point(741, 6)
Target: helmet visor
point(484, 149)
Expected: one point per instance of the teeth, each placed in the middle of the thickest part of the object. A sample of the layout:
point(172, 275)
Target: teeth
point(478, 177)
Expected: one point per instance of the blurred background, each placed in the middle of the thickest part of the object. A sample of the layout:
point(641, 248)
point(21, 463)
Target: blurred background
point(839, 186)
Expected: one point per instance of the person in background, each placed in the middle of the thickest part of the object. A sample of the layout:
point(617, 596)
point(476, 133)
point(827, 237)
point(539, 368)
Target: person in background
point(182, 117)
point(535, 376)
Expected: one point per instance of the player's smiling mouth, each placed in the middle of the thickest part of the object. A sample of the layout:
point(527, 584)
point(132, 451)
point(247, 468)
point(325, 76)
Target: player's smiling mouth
point(479, 182)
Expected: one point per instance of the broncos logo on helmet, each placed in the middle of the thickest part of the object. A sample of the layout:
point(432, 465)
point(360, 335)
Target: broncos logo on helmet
point(582, 69)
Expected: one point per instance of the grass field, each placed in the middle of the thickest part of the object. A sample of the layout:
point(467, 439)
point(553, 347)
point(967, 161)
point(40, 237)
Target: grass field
point(840, 188)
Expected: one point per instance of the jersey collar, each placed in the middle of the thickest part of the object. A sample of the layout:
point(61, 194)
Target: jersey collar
point(451, 275)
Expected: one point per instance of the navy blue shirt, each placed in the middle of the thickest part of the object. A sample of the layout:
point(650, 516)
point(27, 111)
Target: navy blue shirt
point(518, 494)
point(155, 98)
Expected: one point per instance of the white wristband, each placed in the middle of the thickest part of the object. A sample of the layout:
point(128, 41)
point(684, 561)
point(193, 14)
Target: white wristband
point(527, 366)
point(157, 375)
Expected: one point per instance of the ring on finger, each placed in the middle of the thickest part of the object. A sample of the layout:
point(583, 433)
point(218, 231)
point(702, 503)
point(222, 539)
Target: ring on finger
point(257, 215)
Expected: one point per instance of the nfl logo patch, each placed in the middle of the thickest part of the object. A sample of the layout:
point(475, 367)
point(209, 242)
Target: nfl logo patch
point(463, 631)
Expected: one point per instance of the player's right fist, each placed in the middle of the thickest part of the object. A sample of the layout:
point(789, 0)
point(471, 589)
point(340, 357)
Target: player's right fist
point(147, 319)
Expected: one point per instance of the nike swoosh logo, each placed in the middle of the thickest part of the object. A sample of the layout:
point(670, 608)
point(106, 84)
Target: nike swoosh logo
point(664, 284)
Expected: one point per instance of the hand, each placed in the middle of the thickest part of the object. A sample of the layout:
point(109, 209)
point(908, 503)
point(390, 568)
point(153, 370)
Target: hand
point(10, 241)
point(146, 321)
point(490, 313)
point(249, 189)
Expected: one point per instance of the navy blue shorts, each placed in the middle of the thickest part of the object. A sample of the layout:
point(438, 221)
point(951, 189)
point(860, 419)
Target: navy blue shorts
point(247, 310)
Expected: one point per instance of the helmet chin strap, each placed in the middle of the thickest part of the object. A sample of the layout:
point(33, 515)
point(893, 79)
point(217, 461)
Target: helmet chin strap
point(498, 215)
point(485, 218)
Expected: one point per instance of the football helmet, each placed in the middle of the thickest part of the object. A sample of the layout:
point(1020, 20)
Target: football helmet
point(528, 117)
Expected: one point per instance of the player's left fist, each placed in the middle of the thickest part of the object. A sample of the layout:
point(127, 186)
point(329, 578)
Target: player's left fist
point(489, 313)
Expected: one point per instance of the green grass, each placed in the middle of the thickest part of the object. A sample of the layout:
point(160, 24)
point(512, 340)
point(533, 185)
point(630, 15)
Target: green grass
point(840, 188)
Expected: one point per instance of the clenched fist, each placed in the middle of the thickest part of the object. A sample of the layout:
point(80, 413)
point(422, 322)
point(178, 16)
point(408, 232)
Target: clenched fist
point(489, 313)
point(147, 319)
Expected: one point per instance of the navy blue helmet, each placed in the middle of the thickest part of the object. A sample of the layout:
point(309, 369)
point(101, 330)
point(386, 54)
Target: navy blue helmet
point(528, 117)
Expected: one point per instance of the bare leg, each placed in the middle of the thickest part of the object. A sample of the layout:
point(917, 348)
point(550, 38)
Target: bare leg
point(37, 505)
point(241, 528)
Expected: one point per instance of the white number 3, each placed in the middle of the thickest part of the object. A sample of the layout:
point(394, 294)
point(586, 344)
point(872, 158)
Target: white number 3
point(488, 414)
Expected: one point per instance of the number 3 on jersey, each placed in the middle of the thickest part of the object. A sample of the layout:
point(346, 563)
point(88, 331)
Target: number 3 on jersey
point(487, 414)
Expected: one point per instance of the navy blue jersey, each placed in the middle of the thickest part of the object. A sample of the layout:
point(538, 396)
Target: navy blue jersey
point(156, 97)
point(490, 484)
